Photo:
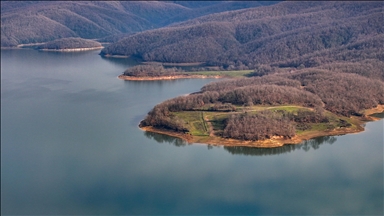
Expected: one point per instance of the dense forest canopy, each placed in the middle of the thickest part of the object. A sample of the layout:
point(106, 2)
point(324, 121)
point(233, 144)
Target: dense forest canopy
point(151, 71)
point(262, 125)
point(287, 34)
point(24, 22)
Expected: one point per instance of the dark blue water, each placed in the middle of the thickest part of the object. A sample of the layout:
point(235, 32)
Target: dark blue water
point(70, 145)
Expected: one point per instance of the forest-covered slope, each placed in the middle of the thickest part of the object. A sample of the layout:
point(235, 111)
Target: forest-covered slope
point(285, 34)
point(46, 21)
point(25, 22)
point(201, 8)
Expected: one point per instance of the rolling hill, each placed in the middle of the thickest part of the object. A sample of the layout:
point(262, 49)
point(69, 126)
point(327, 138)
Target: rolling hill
point(24, 22)
point(287, 34)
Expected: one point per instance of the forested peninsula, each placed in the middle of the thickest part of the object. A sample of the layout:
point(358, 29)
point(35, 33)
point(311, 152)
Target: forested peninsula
point(271, 110)
point(70, 45)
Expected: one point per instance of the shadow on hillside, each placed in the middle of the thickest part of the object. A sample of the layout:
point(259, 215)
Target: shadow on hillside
point(125, 62)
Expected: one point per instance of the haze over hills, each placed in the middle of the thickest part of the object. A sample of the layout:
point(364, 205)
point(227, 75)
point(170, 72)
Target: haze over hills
point(287, 34)
point(41, 21)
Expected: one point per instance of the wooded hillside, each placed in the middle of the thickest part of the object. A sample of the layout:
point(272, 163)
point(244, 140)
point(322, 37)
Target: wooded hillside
point(287, 34)
point(25, 22)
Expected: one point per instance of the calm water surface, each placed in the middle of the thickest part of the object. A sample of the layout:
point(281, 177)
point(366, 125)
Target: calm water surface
point(70, 145)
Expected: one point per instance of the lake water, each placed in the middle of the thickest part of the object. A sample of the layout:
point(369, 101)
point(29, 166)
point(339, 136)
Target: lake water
point(70, 145)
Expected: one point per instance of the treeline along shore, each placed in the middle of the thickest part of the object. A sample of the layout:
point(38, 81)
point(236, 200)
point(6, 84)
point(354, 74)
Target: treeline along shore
point(148, 72)
point(158, 72)
point(70, 45)
point(186, 76)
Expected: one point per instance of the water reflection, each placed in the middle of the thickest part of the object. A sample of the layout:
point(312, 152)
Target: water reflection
point(306, 146)
point(378, 115)
point(160, 138)
point(126, 62)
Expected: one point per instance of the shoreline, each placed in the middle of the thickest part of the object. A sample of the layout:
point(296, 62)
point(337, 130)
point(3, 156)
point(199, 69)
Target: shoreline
point(52, 50)
point(71, 49)
point(114, 56)
point(11, 48)
point(269, 143)
point(132, 78)
point(174, 64)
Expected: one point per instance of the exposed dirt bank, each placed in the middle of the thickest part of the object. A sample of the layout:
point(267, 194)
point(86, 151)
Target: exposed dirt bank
point(71, 49)
point(115, 56)
point(187, 76)
point(175, 64)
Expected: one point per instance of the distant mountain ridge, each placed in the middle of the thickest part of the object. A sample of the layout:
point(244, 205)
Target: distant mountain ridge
point(24, 22)
point(275, 34)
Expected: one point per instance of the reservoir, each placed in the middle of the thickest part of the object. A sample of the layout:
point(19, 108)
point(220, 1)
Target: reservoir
point(70, 145)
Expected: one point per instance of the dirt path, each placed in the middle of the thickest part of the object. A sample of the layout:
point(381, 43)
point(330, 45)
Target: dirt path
point(288, 106)
point(209, 125)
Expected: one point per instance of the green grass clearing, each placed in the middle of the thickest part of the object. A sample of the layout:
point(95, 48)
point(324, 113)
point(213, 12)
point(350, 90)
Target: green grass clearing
point(194, 122)
point(198, 126)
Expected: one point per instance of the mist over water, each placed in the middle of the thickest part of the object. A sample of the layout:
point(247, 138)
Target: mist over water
point(70, 145)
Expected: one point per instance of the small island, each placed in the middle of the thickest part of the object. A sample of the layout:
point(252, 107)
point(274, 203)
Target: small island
point(270, 110)
point(70, 45)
